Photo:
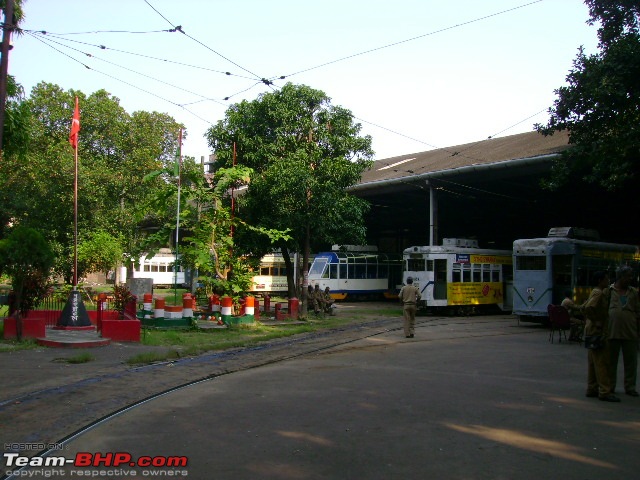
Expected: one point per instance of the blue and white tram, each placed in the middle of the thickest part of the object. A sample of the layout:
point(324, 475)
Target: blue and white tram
point(357, 272)
point(458, 277)
point(564, 261)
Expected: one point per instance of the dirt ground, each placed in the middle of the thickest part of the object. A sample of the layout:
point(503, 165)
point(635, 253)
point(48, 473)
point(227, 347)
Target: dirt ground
point(45, 400)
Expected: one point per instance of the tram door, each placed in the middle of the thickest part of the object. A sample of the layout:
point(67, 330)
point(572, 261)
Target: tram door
point(440, 279)
point(562, 272)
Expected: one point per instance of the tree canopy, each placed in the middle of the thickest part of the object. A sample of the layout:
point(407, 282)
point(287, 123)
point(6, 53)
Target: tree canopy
point(304, 152)
point(116, 150)
point(600, 105)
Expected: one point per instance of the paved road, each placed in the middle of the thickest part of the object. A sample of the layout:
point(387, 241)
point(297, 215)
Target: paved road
point(477, 398)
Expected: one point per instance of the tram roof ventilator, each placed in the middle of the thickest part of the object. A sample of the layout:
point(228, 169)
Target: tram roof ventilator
point(354, 248)
point(459, 242)
point(574, 232)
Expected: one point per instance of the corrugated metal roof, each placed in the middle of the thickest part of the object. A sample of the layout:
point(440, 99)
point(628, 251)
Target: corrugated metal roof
point(483, 153)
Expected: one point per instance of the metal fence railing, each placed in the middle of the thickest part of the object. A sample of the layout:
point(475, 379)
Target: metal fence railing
point(52, 305)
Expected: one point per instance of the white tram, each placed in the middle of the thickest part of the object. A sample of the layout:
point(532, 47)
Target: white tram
point(458, 277)
point(271, 275)
point(160, 268)
point(357, 272)
point(564, 261)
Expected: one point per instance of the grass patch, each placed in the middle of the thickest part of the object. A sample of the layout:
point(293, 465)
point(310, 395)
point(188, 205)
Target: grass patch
point(14, 345)
point(79, 358)
point(153, 357)
point(185, 343)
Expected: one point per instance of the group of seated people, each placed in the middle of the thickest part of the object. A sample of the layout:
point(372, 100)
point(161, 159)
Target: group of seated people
point(576, 317)
point(319, 300)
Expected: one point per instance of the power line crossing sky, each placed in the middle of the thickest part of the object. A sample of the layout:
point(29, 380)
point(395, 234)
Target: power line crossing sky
point(417, 74)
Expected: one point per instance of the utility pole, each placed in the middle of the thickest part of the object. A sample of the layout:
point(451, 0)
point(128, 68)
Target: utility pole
point(4, 63)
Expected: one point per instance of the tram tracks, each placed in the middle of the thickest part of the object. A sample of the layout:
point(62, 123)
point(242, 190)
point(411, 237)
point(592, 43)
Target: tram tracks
point(62, 413)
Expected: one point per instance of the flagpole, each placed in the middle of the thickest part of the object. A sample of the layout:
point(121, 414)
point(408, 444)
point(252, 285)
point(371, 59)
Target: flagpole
point(75, 220)
point(74, 315)
point(73, 139)
point(175, 264)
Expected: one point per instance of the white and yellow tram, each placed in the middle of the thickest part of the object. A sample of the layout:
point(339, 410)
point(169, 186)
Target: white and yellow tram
point(271, 275)
point(458, 277)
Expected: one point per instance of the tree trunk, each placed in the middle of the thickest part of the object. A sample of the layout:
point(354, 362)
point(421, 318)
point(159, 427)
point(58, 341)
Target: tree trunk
point(291, 281)
point(305, 272)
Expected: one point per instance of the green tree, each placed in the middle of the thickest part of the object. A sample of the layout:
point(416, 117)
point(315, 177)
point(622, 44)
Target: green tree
point(207, 244)
point(116, 150)
point(304, 153)
point(600, 106)
point(100, 252)
point(26, 257)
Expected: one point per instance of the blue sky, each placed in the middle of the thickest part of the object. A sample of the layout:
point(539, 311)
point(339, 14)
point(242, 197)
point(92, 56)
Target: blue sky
point(464, 79)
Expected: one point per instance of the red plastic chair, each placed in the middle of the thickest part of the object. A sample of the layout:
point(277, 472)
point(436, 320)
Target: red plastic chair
point(559, 321)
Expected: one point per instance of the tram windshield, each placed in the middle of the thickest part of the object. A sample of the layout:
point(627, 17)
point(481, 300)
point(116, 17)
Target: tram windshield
point(318, 266)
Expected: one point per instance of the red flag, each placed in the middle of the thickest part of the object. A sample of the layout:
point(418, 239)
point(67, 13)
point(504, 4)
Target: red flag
point(75, 127)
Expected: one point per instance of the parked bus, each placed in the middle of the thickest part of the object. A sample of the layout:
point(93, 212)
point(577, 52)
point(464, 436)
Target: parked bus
point(565, 260)
point(459, 277)
point(357, 272)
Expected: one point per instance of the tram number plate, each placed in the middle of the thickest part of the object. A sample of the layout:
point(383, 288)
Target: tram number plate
point(531, 290)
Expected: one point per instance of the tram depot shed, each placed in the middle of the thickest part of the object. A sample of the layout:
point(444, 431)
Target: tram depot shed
point(488, 190)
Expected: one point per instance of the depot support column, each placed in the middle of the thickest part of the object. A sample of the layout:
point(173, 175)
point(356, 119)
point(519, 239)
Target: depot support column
point(433, 215)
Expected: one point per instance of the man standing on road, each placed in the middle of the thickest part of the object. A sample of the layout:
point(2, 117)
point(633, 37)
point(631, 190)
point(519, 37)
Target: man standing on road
point(409, 296)
point(596, 310)
point(624, 313)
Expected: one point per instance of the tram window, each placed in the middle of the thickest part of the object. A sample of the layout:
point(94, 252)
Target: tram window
point(383, 271)
point(147, 267)
point(561, 268)
point(429, 265)
point(162, 268)
point(537, 262)
point(333, 270)
point(264, 270)
point(466, 272)
point(486, 272)
point(477, 272)
point(343, 271)
point(360, 271)
point(456, 273)
point(372, 271)
point(415, 265)
point(325, 274)
point(318, 266)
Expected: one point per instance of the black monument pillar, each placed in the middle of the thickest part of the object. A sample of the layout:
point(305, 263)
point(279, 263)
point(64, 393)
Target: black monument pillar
point(74, 313)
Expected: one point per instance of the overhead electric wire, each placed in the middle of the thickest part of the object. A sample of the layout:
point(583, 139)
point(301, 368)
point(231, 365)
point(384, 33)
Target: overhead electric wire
point(179, 29)
point(394, 132)
point(126, 83)
point(518, 123)
point(407, 40)
point(104, 47)
point(141, 74)
point(108, 31)
point(262, 80)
